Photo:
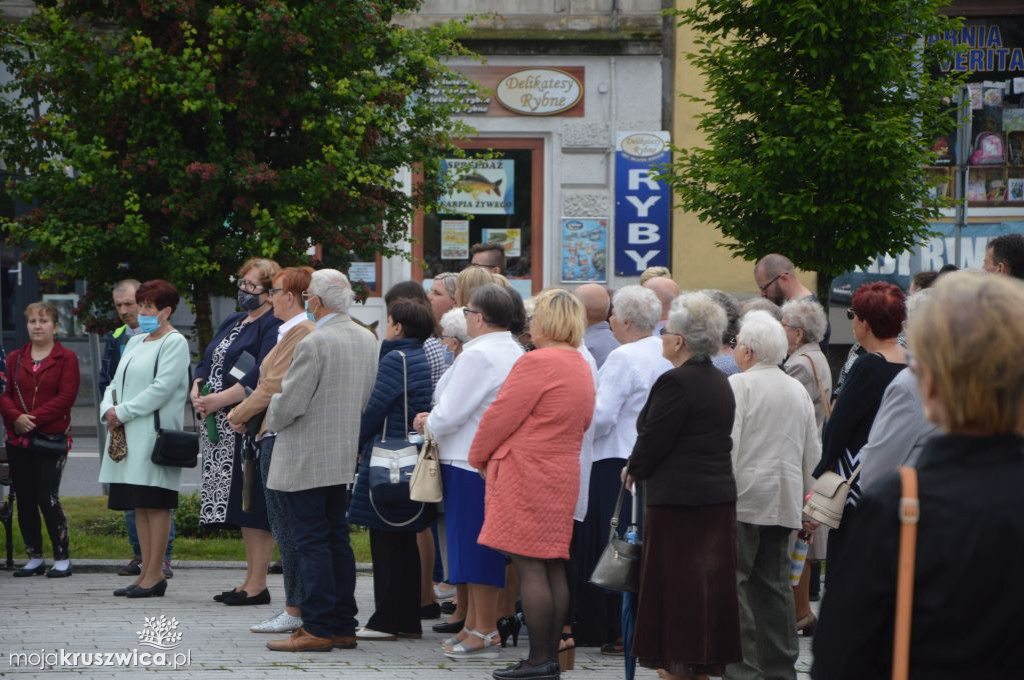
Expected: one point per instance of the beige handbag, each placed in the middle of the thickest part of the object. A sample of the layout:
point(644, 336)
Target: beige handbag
point(118, 444)
point(425, 483)
point(828, 497)
point(910, 512)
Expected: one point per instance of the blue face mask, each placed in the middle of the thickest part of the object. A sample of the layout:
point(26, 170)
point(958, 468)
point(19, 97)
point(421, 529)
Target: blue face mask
point(309, 314)
point(148, 324)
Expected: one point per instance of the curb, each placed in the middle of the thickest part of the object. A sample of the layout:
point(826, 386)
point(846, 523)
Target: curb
point(96, 566)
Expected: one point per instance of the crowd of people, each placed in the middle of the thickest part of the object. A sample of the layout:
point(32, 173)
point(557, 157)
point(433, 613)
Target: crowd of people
point(719, 414)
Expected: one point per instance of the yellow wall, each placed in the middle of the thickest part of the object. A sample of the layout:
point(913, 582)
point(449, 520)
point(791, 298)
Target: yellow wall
point(697, 262)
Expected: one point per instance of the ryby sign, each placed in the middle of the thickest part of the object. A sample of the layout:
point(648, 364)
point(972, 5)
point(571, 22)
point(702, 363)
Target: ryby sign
point(642, 205)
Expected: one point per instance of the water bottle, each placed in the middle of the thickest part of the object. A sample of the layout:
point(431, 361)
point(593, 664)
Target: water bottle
point(797, 558)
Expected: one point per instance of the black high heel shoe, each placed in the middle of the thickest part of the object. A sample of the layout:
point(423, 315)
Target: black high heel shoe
point(509, 626)
point(156, 590)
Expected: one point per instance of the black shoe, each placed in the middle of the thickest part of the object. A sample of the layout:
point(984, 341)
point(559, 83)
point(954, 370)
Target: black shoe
point(430, 611)
point(54, 572)
point(509, 626)
point(242, 599)
point(156, 590)
point(38, 571)
point(123, 592)
point(226, 594)
point(275, 568)
point(133, 568)
point(447, 608)
point(520, 671)
point(445, 627)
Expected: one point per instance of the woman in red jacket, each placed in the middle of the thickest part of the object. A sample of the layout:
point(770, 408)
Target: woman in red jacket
point(36, 405)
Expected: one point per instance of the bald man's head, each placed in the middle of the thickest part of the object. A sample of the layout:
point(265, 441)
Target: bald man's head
point(596, 301)
point(666, 289)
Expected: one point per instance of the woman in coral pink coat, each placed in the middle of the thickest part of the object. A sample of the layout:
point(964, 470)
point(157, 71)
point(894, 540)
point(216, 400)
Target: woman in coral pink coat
point(528, 448)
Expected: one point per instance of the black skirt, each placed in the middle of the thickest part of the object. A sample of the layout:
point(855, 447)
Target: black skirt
point(256, 516)
point(134, 496)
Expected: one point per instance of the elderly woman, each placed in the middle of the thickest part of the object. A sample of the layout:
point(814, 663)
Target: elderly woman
point(530, 438)
point(966, 341)
point(151, 382)
point(286, 300)
point(877, 313)
point(454, 333)
point(722, 359)
point(36, 405)
point(442, 293)
point(683, 457)
point(465, 392)
point(623, 384)
point(774, 448)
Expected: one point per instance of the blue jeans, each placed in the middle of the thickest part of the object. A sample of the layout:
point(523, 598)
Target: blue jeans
point(277, 515)
point(133, 535)
point(328, 566)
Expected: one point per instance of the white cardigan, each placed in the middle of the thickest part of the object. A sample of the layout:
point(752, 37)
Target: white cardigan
point(465, 391)
point(775, 446)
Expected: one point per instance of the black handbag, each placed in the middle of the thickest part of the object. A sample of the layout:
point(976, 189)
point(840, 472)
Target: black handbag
point(174, 448)
point(619, 565)
point(40, 442)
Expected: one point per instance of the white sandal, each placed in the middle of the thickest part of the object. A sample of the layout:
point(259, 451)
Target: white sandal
point(490, 650)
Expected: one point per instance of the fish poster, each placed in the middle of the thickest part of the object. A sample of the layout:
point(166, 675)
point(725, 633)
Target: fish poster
point(511, 239)
point(584, 250)
point(454, 239)
point(480, 186)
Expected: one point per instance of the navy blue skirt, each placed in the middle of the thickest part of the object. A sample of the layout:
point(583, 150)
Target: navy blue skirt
point(468, 561)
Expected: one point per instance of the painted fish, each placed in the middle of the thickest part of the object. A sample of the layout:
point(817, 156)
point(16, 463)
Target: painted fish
point(475, 184)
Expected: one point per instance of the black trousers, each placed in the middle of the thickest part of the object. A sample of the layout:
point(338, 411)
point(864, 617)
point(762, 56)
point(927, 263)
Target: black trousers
point(36, 478)
point(396, 582)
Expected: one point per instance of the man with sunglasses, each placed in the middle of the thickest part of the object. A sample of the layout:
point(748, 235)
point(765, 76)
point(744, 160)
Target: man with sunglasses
point(775, 276)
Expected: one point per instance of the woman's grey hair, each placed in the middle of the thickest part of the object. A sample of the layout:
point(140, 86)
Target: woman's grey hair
point(762, 305)
point(701, 320)
point(450, 280)
point(916, 302)
point(764, 335)
point(637, 305)
point(496, 304)
point(333, 289)
point(732, 312)
point(453, 325)
point(808, 316)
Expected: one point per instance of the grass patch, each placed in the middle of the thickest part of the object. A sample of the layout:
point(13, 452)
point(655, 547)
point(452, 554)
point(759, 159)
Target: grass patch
point(98, 533)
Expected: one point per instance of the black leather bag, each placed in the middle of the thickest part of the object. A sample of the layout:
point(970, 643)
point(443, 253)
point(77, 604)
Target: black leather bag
point(40, 442)
point(619, 565)
point(174, 448)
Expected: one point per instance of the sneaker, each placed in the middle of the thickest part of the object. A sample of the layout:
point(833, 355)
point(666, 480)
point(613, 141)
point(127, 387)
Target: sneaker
point(133, 568)
point(282, 623)
point(365, 633)
point(167, 569)
point(444, 591)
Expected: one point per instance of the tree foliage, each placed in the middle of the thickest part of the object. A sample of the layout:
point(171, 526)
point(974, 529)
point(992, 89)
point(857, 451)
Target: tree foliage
point(175, 138)
point(820, 119)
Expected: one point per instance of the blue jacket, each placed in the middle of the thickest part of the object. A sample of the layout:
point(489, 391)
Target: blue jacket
point(386, 400)
point(114, 344)
point(256, 338)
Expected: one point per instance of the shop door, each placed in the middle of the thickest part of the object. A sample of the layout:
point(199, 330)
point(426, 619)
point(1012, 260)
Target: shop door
point(503, 202)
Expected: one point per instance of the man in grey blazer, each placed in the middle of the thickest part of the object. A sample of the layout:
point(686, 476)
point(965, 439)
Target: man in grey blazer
point(316, 416)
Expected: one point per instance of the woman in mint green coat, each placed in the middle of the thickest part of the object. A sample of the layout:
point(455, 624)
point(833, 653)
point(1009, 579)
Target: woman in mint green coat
point(151, 376)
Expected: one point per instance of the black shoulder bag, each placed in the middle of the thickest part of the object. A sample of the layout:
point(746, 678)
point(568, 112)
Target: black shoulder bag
point(174, 448)
point(40, 442)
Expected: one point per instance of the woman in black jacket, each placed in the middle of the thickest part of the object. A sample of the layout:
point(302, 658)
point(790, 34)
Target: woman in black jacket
point(404, 372)
point(967, 619)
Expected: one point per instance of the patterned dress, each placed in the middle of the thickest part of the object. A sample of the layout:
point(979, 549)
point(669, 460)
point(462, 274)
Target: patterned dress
point(218, 458)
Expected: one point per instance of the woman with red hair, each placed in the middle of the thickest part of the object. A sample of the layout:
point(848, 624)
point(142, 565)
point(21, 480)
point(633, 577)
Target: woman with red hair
point(877, 313)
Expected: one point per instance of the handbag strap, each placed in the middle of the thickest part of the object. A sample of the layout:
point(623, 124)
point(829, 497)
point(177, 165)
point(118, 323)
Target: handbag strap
point(156, 366)
point(618, 509)
point(853, 475)
point(17, 388)
point(910, 512)
point(405, 396)
point(821, 388)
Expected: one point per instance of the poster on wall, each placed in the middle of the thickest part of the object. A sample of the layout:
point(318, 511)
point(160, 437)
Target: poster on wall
point(479, 186)
point(584, 250)
point(454, 239)
point(931, 255)
point(642, 204)
point(511, 239)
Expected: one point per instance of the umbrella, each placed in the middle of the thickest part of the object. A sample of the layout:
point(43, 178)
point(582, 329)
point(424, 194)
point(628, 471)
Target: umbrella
point(629, 600)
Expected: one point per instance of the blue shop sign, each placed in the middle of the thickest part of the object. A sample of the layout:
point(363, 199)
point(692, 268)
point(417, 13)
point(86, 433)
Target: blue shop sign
point(643, 205)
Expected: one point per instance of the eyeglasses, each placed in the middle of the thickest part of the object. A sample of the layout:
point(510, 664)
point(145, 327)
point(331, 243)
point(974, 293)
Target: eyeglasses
point(307, 295)
point(850, 314)
point(665, 331)
point(768, 285)
point(249, 287)
point(466, 311)
point(732, 343)
point(271, 292)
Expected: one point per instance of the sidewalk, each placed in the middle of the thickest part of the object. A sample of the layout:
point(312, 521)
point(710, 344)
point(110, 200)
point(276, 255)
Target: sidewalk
point(79, 614)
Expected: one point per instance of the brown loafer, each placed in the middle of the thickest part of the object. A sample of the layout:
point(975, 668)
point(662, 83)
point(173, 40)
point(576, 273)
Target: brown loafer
point(302, 641)
point(344, 641)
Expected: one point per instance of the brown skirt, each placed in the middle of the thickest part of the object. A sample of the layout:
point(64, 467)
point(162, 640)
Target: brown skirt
point(688, 619)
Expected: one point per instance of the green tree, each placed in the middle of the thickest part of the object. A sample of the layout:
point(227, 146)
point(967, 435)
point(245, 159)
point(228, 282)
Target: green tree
point(819, 123)
point(174, 138)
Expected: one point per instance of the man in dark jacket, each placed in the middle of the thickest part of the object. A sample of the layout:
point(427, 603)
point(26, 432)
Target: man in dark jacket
point(114, 344)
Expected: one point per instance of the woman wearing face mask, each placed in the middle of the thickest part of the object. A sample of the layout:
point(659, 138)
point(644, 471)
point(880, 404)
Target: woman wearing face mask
point(151, 379)
point(231, 363)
